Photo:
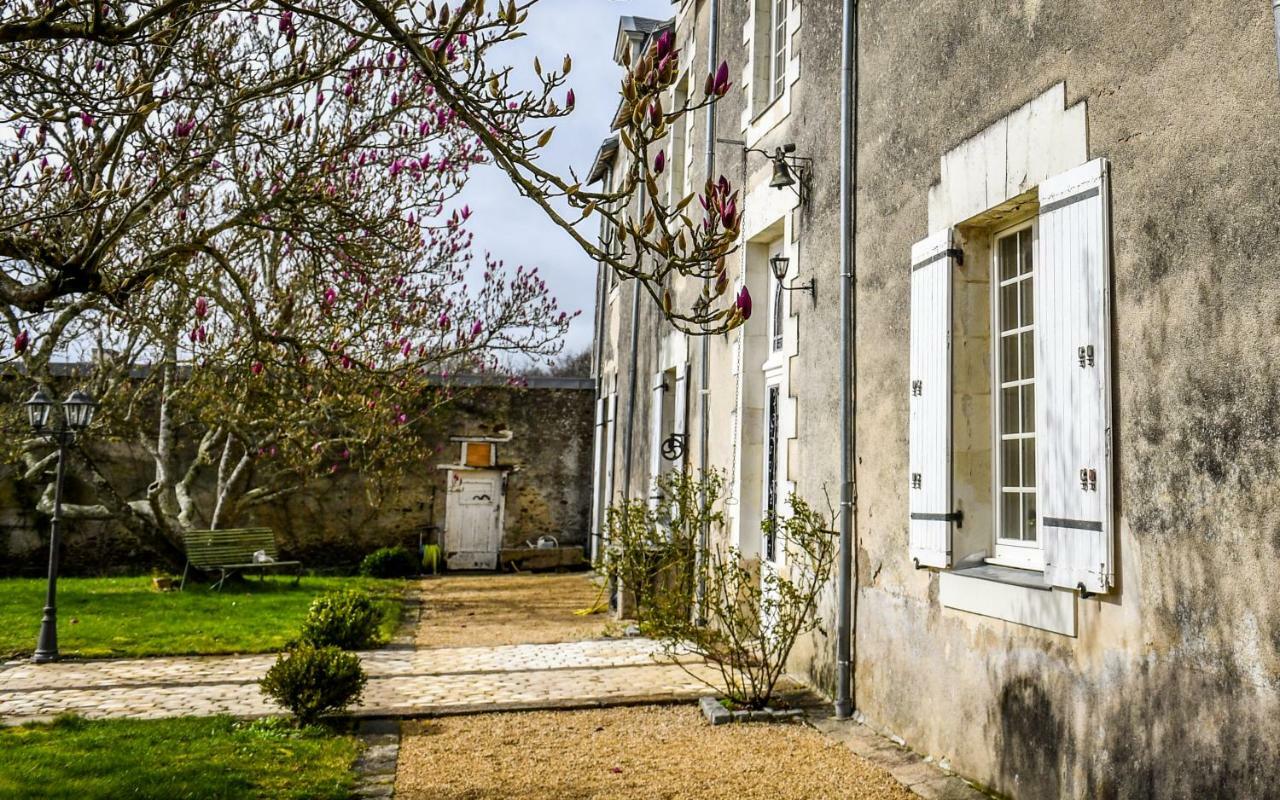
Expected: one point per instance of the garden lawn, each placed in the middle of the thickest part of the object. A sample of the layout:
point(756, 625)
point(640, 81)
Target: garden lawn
point(125, 617)
point(214, 757)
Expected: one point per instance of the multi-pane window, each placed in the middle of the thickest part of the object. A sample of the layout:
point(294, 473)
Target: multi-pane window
point(1017, 539)
point(778, 72)
point(679, 140)
point(777, 317)
point(771, 477)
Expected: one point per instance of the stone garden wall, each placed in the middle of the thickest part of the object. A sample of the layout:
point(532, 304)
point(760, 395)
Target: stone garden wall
point(332, 522)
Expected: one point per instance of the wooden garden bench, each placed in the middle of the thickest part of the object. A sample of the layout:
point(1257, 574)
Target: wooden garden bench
point(230, 551)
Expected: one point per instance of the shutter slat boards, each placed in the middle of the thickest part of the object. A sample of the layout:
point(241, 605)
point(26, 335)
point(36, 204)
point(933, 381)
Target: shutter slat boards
point(681, 422)
point(929, 461)
point(655, 438)
point(1073, 364)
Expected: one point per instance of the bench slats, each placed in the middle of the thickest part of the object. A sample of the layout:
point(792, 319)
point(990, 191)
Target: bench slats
point(233, 546)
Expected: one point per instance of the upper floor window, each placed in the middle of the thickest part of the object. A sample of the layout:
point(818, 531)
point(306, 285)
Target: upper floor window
point(769, 53)
point(778, 69)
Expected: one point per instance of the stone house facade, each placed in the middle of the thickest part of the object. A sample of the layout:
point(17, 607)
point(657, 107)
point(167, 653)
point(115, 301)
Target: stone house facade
point(1064, 233)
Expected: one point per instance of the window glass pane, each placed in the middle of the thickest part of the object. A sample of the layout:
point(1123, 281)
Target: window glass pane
point(1029, 515)
point(1009, 415)
point(1008, 358)
point(1008, 257)
point(1028, 306)
point(1010, 519)
point(1009, 469)
point(1028, 463)
point(1028, 355)
point(1008, 307)
point(1026, 260)
point(1028, 408)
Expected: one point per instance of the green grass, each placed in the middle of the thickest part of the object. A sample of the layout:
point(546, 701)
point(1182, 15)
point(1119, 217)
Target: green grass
point(125, 617)
point(213, 757)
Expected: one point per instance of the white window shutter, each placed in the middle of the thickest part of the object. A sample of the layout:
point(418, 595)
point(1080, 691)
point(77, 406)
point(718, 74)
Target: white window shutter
point(1073, 386)
point(929, 462)
point(655, 438)
point(680, 425)
point(611, 440)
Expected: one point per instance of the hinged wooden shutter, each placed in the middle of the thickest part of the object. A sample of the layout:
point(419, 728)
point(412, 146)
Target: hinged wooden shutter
point(929, 391)
point(1073, 366)
point(655, 438)
point(680, 425)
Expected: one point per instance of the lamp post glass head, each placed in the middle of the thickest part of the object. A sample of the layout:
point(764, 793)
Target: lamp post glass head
point(38, 408)
point(78, 409)
point(779, 265)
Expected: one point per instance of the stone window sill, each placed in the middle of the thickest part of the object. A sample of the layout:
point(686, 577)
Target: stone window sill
point(1015, 595)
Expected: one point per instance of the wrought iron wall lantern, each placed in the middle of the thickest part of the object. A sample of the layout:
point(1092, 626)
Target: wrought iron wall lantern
point(779, 266)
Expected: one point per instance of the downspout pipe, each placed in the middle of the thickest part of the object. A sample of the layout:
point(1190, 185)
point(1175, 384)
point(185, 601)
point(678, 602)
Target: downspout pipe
point(848, 362)
point(704, 381)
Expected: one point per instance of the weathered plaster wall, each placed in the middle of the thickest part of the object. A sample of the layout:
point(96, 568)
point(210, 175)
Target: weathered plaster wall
point(1173, 686)
point(331, 522)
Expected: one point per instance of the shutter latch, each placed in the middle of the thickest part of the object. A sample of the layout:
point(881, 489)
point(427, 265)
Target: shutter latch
point(1085, 354)
point(1088, 479)
point(917, 388)
point(915, 480)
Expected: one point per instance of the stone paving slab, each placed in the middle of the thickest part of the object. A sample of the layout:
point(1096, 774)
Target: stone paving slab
point(421, 683)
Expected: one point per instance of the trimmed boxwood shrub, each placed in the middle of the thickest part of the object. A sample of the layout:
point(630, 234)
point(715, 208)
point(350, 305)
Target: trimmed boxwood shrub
point(312, 681)
point(390, 562)
point(346, 619)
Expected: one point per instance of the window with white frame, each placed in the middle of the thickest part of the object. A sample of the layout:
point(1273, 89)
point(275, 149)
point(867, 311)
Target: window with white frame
point(778, 70)
point(1013, 356)
point(679, 143)
point(1019, 293)
point(769, 51)
point(778, 316)
point(771, 444)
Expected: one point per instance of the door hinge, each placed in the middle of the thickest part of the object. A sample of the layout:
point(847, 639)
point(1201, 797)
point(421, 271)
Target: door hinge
point(916, 480)
point(917, 388)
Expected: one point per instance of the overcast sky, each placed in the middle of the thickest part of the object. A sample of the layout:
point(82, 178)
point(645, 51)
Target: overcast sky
point(513, 228)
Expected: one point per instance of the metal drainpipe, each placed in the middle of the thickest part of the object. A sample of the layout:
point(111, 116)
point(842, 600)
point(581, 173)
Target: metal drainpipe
point(1275, 10)
point(704, 422)
point(848, 362)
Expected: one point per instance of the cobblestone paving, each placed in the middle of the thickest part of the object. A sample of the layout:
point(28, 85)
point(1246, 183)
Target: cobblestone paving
point(401, 683)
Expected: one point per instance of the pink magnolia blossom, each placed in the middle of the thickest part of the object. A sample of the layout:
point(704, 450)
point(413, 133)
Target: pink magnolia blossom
point(569, 100)
point(21, 341)
point(660, 161)
point(202, 308)
point(743, 303)
point(476, 329)
point(256, 368)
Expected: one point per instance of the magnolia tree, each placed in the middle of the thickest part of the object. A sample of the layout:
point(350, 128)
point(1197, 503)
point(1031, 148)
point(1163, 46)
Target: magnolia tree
point(455, 51)
point(249, 227)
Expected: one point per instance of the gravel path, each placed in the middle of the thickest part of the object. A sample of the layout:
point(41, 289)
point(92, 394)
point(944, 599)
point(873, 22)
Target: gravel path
point(487, 610)
point(620, 753)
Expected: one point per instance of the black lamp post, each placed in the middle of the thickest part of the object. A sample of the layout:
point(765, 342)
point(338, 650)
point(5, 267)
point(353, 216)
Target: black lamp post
point(77, 413)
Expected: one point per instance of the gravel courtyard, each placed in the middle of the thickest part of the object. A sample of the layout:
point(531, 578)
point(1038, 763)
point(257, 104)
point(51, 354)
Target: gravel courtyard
point(622, 753)
point(487, 610)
